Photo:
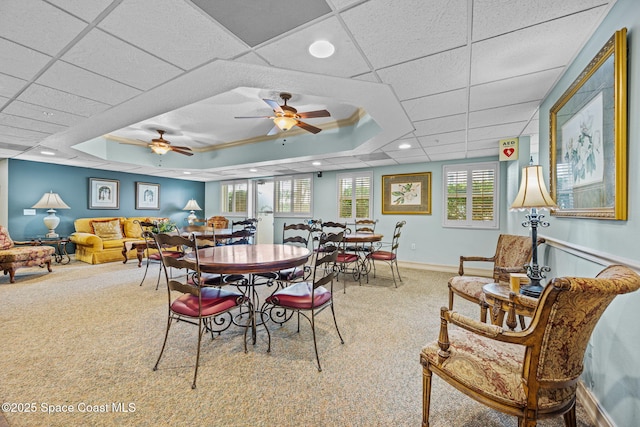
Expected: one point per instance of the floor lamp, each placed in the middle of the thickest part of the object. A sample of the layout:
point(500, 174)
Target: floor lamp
point(533, 195)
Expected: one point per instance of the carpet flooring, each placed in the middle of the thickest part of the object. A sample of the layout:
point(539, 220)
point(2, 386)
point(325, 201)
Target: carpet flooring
point(78, 346)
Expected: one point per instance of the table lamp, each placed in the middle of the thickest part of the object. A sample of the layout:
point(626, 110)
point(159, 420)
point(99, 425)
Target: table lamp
point(51, 201)
point(533, 195)
point(192, 206)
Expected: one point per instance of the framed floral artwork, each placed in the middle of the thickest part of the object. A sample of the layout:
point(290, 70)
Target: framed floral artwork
point(588, 141)
point(147, 195)
point(104, 193)
point(408, 193)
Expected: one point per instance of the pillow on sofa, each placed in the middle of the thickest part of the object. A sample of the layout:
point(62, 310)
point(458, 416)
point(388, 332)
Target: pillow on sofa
point(5, 239)
point(109, 229)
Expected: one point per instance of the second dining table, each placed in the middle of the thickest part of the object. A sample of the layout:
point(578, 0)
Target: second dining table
point(251, 259)
point(362, 245)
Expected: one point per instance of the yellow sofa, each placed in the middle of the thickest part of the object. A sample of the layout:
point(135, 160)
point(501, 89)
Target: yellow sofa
point(100, 240)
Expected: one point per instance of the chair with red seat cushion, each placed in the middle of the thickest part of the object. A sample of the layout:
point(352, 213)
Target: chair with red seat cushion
point(206, 307)
point(310, 298)
point(389, 256)
point(152, 252)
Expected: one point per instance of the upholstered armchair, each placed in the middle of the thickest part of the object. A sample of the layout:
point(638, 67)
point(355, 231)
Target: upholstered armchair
point(530, 374)
point(14, 255)
point(218, 222)
point(512, 253)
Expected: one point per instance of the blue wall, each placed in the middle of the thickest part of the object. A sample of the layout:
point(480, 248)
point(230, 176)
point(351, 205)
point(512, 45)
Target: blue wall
point(28, 181)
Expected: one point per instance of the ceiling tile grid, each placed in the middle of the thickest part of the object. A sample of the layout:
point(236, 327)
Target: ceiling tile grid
point(449, 77)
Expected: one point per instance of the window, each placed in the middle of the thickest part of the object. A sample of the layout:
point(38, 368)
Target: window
point(293, 195)
point(354, 195)
point(234, 197)
point(471, 195)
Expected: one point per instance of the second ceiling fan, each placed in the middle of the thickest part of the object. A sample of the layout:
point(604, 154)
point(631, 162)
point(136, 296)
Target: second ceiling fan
point(287, 117)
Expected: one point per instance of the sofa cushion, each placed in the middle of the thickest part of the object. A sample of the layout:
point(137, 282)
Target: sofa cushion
point(109, 229)
point(5, 238)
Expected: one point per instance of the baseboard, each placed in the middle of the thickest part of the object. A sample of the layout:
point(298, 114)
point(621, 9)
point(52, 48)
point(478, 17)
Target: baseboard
point(446, 268)
point(596, 413)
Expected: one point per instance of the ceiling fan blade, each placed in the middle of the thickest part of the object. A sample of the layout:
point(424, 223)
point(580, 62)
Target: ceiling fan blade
point(308, 127)
point(274, 105)
point(313, 114)
point(181, 148)
point(253, 117)
point(273, 130)
point(177, 150)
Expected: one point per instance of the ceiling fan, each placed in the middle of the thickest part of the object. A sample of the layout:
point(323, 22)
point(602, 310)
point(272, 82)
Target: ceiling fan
point(287, 117)
point(162, 146)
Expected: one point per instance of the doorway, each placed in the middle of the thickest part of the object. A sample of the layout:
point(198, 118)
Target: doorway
point(263, 210)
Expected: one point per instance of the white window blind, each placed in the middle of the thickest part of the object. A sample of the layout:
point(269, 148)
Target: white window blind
point(293, 195)
point(234, 197)
point(355, 195)
point(471, 195)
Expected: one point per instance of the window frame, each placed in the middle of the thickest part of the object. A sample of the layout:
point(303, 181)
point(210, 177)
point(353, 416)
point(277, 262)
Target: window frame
point(276, 196)
point(353, 176)
point(469, 222)
point(223, 197)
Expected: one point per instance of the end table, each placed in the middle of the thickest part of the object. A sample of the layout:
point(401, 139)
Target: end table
point(59, 243)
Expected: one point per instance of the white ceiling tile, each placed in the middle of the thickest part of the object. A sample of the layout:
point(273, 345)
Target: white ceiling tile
point(441, 125)
point(410, 152)
point(440, 105)
point(442, 139)
point(19, 61)
point(531, 49)
point(501, 131)
point(105, 55)
point(440, 157)
point(30, 23)
point(69, 78)
point(174, 31)
point(378, 163)
point(251, 58)
point(500, 115)
point(515, 90)
point(485, 152)
point(393, 32)
point(21, 135)
point(10, 85)
point(87, 10)
point(447, 148)
point(438, 73)
point(412, 160)
point(27, 123)
point(491, 18)
point(37, 112)
point(395, 145)
point(62, 101)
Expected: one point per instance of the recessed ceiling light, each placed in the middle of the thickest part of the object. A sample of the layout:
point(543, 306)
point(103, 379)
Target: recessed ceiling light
point(321, 49)
point(253, 170)
point(316, 163)
point(48, 153)
point(404, 146)
point(186, 172)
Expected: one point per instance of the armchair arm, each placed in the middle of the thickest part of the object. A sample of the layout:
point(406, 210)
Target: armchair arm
point(86, 239)
point(473, 258)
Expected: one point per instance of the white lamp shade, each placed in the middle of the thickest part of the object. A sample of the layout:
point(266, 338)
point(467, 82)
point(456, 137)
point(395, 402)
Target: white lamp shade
point(50, 200)
point(533, 192)
point(192, 205)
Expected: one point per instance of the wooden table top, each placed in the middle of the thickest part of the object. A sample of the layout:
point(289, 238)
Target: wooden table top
point(244, 259)
point(362, 237)
point(219, 233)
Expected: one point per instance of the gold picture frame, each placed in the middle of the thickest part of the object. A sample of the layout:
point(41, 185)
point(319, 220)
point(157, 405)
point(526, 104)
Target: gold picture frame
point(408, 193)
point(588, 138)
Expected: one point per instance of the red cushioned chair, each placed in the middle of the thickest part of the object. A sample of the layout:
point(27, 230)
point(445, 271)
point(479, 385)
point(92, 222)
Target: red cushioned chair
point(310, 298)
point(389, 256)
point(196, 305)
point(14, 255)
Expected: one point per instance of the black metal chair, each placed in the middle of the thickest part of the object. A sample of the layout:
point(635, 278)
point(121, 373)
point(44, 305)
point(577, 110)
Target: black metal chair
point(389, 256)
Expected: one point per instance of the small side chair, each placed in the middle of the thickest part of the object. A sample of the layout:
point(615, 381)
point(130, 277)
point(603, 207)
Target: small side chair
point(389, 256)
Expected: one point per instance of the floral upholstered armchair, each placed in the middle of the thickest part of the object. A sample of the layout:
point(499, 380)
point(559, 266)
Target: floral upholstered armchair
point(14, 255)
point(532, 373)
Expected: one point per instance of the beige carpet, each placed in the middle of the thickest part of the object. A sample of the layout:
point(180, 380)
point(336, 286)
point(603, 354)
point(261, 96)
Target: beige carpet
point(88, 336)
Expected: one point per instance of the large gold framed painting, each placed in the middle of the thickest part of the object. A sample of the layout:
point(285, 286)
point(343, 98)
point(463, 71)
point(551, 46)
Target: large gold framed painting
point(408, 193)
point(588, 138)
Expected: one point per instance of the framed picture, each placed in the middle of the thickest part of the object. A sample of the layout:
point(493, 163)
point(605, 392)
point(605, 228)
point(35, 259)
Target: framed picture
point(104, 193)
point(408, 193)
point(588, 141)
point(147, 195)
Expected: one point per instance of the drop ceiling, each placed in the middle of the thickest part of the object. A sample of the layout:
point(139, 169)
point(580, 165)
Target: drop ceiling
point(90, 82)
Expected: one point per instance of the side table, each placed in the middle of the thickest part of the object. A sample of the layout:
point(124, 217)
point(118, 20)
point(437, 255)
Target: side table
point(61, 254)
point(503, 300)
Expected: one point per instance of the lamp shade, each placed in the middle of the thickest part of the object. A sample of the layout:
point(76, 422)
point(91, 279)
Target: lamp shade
point(533, 192)
point(50, 200)
point(285, 123)
point(192, 205)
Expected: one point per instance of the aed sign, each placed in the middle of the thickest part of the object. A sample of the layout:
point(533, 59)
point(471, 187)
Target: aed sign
point(508, 149)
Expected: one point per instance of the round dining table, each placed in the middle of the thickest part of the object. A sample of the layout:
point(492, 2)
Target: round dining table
point(251, 259)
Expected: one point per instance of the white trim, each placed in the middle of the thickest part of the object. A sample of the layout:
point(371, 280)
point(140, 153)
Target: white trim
point(596, 413)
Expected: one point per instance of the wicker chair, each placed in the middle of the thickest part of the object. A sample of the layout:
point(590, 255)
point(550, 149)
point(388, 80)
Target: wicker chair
point(530, 374)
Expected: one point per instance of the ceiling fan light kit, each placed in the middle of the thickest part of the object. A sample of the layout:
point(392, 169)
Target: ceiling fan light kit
point(161, 146)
